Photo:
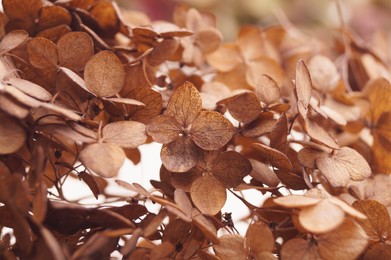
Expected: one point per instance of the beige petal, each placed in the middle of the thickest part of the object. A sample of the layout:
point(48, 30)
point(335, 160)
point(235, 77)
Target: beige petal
point(104, 159)
point(322, 217)
point(127, 134)
point(231, 247)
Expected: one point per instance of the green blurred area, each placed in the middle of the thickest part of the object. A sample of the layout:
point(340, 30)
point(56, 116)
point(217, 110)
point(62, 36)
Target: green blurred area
point(364, 16)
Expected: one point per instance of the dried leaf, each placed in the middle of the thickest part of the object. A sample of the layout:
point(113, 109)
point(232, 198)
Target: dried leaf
point(127, 134)
point(216, 194)
point(104, 74)
point(103, 159)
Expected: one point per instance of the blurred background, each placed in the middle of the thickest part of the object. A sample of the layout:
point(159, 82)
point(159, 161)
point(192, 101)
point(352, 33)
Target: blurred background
point(364, 16)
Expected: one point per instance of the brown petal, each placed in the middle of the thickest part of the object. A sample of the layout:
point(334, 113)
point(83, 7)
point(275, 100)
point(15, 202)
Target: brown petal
point(127, 134)
point(53, 15)
point(185, 104)
point(231, 247)
point(75, 49)
point(322, 217)
point(378, 93)
point(208, 39)
point(378, 224)
point(307, 157)
point(22, 10)
point(262, 173)
point(244, 107)
point(205, 225)
point(347, 208)
point(164, 129)
point(208, 194)
point(75, 79)
point(106, 16)
point(43, 53)
point(104, 159)
point(211, 130)
point(273, 156)
point(54, 33)
point(126, 101)
point(378, 251)
point(263, 66)
point(383, 130)
point(351, 238)
point(278, 136)
point(162, 52)
point(259, 238)
point(184, 180)
point(104, 74)
point(262, 125)
point(324, 73)
point(12, 135)
point(298, 249)
point(319, 134)
point(91, 182)
point(267, 90)
point(153, 104)
point(303, 88)
point(226, 58)
point(180, 155)
point(342, 165)
point(183, 201)
point(230, 168)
